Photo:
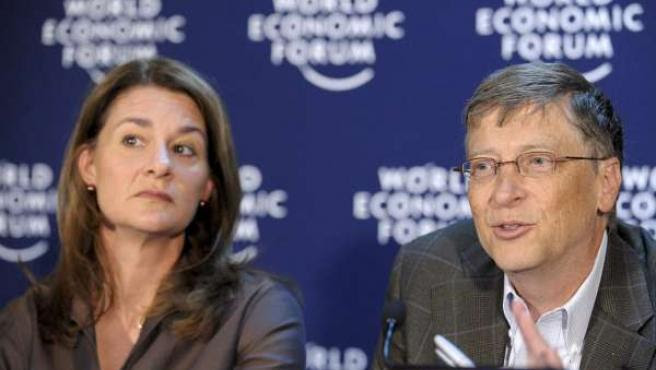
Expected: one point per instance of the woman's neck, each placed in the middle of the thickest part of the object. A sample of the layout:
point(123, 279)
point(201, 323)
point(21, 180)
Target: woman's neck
point(137, 265)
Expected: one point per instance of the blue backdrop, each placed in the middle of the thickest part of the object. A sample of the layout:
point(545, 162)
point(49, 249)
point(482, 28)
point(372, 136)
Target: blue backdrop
point(346, 116)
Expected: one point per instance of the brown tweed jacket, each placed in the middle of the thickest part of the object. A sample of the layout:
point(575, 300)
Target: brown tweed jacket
point(450, 286)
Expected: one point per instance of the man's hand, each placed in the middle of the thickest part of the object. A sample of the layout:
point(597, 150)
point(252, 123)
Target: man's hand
point(540, 355)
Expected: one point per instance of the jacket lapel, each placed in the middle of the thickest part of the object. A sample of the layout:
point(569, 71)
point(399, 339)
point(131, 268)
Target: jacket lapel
point(622, 312)
point(475, 321)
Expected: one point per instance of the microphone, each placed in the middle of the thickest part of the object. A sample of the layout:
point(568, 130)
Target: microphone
point(393, 316)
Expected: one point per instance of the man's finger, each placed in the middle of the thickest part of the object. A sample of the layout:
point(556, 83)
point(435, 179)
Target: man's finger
point(539, 352)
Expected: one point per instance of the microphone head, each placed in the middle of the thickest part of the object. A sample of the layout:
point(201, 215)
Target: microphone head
point(394, 310)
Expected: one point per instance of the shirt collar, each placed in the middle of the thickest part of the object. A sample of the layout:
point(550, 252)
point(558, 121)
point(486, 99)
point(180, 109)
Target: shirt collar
point(578, 309)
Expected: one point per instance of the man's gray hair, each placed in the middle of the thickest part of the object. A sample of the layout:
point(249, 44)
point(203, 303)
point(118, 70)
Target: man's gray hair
point(539, 84)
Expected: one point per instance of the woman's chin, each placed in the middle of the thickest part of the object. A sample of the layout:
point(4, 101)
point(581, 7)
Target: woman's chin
point(157, 228)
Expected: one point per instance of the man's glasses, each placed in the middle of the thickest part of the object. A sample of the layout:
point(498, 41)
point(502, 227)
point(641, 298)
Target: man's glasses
point(533, 164)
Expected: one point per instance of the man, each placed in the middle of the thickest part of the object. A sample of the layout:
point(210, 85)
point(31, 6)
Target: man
point(545, 275)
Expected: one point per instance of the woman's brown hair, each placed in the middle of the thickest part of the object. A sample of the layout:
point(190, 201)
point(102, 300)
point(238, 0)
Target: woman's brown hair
point(196, 292)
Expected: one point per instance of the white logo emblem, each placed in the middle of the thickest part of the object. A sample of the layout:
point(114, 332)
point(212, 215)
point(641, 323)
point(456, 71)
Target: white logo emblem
point(569, 30)
point(413, 201)
point(320, 357)
point(636, 203)
point(27, 199)
point(315, 35)
point(256, 203)
point(97, 35)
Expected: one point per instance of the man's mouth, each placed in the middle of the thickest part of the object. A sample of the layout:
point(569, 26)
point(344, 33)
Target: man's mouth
point(511, 230)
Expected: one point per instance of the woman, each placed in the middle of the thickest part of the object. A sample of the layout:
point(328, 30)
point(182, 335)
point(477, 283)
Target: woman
point(148, 199)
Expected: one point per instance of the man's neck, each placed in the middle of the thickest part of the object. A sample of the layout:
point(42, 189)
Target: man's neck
point(551, 286)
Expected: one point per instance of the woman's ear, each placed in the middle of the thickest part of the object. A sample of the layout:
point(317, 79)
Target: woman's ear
point(86, 166)
point(207, 191)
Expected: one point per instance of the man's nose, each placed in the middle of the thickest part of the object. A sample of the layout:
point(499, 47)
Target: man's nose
point(508, 187)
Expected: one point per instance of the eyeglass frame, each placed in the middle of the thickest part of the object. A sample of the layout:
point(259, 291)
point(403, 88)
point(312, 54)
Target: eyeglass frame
point(498, 164)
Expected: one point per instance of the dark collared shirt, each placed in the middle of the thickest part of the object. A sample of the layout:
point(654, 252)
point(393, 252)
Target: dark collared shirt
point(264, 330)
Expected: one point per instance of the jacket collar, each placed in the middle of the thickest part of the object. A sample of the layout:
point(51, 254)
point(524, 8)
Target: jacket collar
point(476, 323)
point(622, 311)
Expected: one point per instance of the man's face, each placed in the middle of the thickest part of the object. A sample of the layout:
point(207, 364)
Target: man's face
point(528, 223)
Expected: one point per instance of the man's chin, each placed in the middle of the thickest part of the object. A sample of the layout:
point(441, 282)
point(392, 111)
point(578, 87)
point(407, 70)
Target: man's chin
point(511, 263)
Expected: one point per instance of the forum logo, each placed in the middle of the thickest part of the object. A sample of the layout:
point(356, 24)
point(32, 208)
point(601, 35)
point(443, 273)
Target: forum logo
point(28, 202)
point(331, 42)
point(412, 201)
point(319, 357)
point(561, 30)
point(96, 35)
point(636, 203)
point(257, 203)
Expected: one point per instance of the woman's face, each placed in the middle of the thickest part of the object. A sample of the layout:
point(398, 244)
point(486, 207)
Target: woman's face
point(149, 165)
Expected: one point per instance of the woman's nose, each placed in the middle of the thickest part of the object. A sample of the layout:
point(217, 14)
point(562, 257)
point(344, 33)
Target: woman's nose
point(160, 163)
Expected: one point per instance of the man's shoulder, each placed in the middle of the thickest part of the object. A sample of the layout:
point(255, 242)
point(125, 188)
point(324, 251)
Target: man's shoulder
point(444, 250)
point(445, 241)
point(639, 241)
point(636, 237)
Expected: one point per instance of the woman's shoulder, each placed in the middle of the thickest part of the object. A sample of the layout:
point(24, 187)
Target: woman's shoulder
point(270, 322)
point(18, 313)
point(18, 327)
point(258, 284)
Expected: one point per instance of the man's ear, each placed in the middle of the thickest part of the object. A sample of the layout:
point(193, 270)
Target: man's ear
point(611, 180)
point(86, 165)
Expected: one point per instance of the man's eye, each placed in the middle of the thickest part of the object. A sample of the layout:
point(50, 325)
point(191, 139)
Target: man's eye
point(184, 150)
point(540, 161)
point(482, 165)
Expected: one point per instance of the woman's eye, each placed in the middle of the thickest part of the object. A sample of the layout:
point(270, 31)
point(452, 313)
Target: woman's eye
point(131, 140)
point(185, 150)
